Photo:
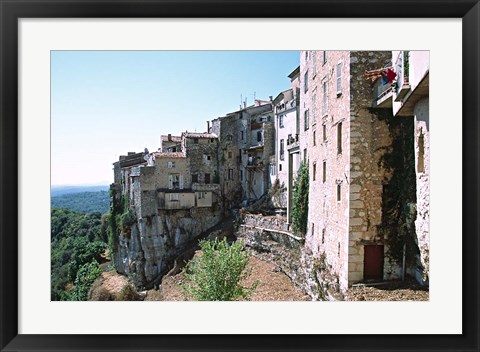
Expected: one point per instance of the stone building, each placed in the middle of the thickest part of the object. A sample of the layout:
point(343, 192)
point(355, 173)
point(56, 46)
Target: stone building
point(411, 98)
point(287, 147)
point(246, 146)
point(347, 140)
point(163, 203)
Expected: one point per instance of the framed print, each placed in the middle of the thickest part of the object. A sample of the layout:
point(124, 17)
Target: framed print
point(79, 78)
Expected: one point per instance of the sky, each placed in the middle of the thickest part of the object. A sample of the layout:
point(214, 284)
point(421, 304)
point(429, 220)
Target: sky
point(107, 103)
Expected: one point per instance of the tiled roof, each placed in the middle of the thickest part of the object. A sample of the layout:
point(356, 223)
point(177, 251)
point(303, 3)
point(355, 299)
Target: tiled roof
point(199, 135)
point(169, 155)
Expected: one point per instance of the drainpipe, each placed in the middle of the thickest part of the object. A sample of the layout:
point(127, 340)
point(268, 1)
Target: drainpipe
point(403, 262)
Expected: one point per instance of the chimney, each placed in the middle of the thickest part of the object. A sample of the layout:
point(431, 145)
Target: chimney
point(169, 137)
point(245, 104)
point(208, 126)
point(271, 97)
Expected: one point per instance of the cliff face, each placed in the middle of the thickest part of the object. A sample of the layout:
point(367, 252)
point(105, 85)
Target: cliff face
point(146, 247)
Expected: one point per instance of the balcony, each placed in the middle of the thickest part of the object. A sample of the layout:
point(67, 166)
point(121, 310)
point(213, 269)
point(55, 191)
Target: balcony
point(382, 95)
point(402, 70)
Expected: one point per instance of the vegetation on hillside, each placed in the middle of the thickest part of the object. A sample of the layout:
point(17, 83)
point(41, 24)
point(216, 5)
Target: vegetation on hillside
point(215, 274)
point(77, 245)
point(85, 202)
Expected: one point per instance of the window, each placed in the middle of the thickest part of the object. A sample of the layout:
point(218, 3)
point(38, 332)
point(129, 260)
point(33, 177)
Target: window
point(195, 178)
point(339, 138)
point(324, 132)
point(339, 192)
point(324, 172)
point(421, 153)
point(240, 156)
point(339, 78)
point(171, 164)
point(211, 140)
point(305, 83)
point(207, 179)
point(272, 169)
point(241, 175)
point(314, 60)
point(323, 236)
point(314, 99)
point(314, 139)
point(324, 98)
point(230, 154)
point(195, 140)
point(305, 155)
point(241, 135)
point(306, 54)
point(324, 57)
point(259, 136)
point(280, 121)
point(314, 171)
point(280, 167)
point(230, 174)
point(282, 149)
point(201, 195)
point(174, 197)
point(175, 181)
point(339, 249)
point(313, 229)
point(305, 120)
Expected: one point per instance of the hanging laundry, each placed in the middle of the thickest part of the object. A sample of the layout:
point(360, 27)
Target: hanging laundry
point(387, 75)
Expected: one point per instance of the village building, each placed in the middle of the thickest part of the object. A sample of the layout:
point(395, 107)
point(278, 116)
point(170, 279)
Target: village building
point(411, 98)
point(172, 196)
point(287, 147)
point(346, 142)
point(245, 151)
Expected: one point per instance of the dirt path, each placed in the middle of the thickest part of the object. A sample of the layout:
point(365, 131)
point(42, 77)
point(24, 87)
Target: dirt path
point(273, 285)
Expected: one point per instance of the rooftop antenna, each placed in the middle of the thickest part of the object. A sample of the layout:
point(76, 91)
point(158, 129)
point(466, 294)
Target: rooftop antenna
point(241, 101)
point(254, 95)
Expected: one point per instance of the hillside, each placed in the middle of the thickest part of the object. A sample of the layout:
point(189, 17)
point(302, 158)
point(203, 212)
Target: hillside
point(84, 202)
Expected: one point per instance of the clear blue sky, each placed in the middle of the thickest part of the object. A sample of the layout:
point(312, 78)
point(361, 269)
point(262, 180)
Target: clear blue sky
point(107, 103)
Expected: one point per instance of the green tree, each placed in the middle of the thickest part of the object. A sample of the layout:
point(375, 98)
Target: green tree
point(215, 274)
point(300, 201)
point(86, 275)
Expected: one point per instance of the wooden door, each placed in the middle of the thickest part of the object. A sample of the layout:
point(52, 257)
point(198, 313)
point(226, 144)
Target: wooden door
point(373, 262)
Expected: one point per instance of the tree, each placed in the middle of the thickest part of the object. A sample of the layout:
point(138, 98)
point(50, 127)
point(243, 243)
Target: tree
point(215, 274)
point(300, 201)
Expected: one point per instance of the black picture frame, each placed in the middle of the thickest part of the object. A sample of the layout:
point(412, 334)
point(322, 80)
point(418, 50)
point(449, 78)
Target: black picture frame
point(11, 11)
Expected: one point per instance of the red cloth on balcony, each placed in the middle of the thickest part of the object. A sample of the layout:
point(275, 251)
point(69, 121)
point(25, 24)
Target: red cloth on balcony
point(391, 75)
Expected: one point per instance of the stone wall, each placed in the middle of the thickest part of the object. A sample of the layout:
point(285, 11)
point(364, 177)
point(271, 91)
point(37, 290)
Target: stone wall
point(327, 235)
point(422, 170)
point(370, 140)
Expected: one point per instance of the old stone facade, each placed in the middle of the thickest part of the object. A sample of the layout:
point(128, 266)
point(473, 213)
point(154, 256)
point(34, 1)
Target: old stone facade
point(344, 140)
point(411, 100)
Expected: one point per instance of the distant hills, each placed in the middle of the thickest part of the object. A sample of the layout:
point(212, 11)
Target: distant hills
point(61, 190)
point(84, 199)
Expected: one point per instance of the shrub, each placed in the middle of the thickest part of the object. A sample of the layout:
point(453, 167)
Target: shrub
point(128, 293)
point(215, 274)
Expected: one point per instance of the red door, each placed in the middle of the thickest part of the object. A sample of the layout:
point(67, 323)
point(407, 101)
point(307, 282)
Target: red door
point(373, 262)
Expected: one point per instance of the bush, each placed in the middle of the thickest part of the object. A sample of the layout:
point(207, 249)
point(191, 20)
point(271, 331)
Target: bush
point(128, 293)
point(215, 275)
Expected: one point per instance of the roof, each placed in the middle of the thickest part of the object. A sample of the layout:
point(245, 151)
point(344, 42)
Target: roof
point(199, 135)
point(294, 73)
point(164, 138)
point(175, 155)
